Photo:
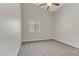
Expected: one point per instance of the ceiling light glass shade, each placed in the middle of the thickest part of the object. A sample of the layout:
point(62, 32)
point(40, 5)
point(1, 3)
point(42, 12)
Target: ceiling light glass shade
point(49, 4)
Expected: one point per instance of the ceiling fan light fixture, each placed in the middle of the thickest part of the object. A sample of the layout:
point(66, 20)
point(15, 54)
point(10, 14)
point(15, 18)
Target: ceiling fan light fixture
point(49, 4)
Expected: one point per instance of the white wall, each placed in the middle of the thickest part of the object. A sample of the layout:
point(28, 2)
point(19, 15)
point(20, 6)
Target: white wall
point(31, 12)
point(10, 29)
point(67, 24)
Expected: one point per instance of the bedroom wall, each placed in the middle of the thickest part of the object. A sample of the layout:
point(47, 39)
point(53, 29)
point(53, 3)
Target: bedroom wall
point(67, 24)
point(10, 29)
point(32, 13)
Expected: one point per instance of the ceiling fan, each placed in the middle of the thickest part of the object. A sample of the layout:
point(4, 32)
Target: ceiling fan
point(49, 4)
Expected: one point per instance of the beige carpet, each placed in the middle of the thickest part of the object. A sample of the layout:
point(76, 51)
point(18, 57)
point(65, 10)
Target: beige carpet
point(47, 48)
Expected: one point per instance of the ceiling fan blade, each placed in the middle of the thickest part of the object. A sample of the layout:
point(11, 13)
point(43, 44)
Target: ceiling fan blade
point(56, 4)
point(43, 4)
point(47, 7)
